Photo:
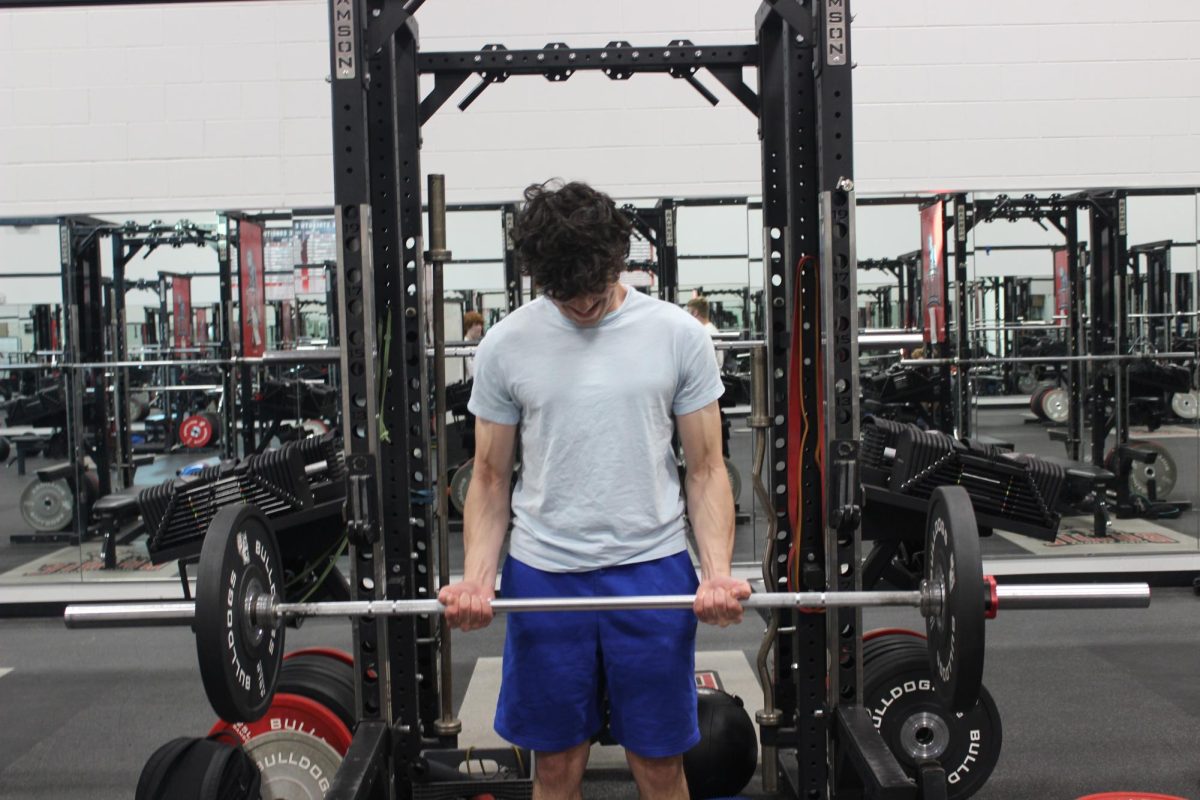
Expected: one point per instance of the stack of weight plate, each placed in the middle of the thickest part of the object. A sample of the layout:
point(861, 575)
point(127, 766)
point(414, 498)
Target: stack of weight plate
point(898, 693)
point(296, 747)
point(301, 740)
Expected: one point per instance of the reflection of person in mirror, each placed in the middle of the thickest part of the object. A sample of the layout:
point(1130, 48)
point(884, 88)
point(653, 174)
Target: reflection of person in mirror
point(698, 308)
point(472, 332)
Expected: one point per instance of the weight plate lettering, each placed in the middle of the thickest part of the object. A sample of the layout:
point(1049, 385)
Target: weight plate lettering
point(954, 569)
point(1162, 471)
point(239, 660)
point(48, 507)
point(290, 712)
point(899, 694)
point(293, 765)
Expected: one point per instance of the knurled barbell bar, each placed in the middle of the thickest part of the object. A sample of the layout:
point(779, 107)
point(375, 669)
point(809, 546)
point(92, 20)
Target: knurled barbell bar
point(239, 619)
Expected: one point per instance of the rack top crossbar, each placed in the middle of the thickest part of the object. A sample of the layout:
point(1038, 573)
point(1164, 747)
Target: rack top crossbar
point(657, 58)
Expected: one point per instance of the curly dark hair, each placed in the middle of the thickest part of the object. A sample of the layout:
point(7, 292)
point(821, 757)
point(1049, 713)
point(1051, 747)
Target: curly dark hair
point(570, 239)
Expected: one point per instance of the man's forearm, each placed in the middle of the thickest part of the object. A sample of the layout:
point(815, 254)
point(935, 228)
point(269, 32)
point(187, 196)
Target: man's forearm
point(710, 510)
point(485, 523)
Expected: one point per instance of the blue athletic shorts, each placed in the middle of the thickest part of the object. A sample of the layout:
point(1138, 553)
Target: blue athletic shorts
point(558, 665)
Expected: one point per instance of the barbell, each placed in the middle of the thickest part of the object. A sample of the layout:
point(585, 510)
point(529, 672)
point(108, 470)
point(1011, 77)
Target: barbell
point(239, 617)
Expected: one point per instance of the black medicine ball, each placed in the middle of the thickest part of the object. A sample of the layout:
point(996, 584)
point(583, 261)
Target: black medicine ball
point(727, 756)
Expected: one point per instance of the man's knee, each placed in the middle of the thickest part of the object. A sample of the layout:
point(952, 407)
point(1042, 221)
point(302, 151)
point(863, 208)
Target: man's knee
point(561, 772)
point(658, 777)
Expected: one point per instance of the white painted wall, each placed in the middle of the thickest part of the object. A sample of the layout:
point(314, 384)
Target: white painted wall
point(226, 106)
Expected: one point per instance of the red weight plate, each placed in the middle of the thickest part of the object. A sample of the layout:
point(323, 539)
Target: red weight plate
point(1131, 796)
point(196, 431)
point(290, 712)
point(332, 652)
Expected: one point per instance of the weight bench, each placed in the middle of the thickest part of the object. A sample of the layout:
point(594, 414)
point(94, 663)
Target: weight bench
point(117, 518)
point(25, 445)
point(112, 513)
point(1086, 481)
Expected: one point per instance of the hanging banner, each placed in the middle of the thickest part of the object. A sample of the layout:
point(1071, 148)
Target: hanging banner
point(252, 289)
point(1062, 287)
point(181, 307)
point(933, 253)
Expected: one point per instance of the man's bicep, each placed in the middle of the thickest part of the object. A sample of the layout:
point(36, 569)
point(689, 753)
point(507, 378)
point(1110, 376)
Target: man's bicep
point(700, 434)
point(495, 447)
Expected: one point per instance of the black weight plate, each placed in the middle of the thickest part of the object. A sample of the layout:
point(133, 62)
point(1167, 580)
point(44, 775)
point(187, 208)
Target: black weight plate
point(884, 644)
point(899, 694)
point(956, 630)
point(881, 640)
point(239, 662)
point(884, 650)
point(322, 683)
point(330, 684)
point(460, 481)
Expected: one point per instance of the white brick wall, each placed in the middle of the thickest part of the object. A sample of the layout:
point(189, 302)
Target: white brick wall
point(108, 109)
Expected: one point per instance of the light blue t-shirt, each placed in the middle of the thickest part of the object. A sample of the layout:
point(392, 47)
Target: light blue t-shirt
point(598, 484)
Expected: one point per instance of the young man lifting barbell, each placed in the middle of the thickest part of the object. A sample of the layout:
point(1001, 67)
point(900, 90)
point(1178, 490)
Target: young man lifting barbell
point(595, 379)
